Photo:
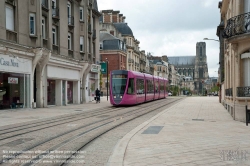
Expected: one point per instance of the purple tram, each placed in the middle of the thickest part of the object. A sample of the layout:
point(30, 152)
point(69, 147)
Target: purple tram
point(131, 87)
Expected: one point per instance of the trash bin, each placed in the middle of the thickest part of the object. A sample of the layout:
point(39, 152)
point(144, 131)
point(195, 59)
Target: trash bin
point(101, 94)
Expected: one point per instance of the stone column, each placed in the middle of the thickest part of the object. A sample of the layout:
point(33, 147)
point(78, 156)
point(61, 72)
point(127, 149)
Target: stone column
point(58, 92)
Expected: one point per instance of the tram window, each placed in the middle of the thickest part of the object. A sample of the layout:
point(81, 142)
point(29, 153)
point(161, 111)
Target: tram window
point(130, 86)
point(150, 87)
point(140, 89)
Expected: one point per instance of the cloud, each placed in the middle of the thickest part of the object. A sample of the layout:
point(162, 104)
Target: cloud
point(167, 27)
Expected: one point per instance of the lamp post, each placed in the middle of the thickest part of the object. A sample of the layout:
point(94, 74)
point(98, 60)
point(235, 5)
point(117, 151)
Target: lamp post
point(107, 64)
point(211, 39)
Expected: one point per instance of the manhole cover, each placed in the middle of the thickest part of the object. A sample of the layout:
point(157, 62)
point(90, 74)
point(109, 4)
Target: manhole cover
point(152, 130)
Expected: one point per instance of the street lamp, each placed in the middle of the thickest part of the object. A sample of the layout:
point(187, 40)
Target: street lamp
point(107, 65)
point(211, 39)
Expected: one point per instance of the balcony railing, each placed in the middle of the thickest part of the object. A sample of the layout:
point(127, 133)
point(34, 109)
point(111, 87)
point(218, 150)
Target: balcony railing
point(243, 91)
point(137, 64)
point(55, 12)
point(11, 35)
point(237, 25)
point(229, 92)
point(130, 60)
point(71, 20)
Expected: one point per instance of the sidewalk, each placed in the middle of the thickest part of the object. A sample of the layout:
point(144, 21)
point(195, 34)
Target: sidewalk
point(196, 131)
point(13, 116)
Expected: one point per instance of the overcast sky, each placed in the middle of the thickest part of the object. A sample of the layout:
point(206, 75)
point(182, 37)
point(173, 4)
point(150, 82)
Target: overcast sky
point(172, 27)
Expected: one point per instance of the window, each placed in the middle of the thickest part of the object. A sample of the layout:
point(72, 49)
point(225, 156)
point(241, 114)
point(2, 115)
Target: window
point(81, 13)
point(140, 86)
point(69, 41)
point(69, 12)
point(81, 43)
point(54, 35)
point(53, 4)
point(101, 47)
point(130, 86)
point(200, 51)
point(9, 17)
point(32, 24)
point(43, 28)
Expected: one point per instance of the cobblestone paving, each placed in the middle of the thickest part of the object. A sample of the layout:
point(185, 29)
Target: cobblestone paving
point(98, 152)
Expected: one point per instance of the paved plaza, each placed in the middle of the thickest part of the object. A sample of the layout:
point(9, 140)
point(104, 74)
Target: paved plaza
point(196, 131)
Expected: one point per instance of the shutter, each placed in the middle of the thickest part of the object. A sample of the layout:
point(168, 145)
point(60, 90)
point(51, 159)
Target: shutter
point(246, 6)
point(246, 71)
point(9, 18)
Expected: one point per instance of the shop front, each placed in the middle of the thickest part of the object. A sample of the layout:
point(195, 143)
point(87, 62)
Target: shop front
point(15, 81)
point(93, 82)
point(63, 85)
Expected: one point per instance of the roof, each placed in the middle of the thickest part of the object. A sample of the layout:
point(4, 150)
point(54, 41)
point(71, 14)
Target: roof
point(107, 36)
point(111, 44)
point(181, 60)
point(123, 28)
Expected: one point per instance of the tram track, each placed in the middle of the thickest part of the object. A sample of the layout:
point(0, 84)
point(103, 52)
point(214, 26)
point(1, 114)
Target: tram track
point(90, 131)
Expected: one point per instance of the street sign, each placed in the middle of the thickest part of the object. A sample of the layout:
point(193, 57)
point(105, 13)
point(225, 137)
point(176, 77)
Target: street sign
point(103, 67)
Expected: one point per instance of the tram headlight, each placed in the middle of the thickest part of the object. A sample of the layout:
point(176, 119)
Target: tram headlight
point(115, 97)
point(120, 96)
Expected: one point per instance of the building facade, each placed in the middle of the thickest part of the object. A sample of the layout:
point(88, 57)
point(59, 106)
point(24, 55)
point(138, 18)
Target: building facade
point(193, 66)
point(236, 37)
point(53, 46)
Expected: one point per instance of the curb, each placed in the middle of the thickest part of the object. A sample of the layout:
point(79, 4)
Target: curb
point(118, 154)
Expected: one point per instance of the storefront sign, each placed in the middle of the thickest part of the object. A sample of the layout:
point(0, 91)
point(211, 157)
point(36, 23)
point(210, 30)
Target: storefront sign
point(8, 63)
point(103, 67)
point(94, 68)
point(12, 80)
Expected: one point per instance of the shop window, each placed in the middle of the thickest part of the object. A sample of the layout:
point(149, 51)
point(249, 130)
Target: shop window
point(70, 92)
point(51, 92)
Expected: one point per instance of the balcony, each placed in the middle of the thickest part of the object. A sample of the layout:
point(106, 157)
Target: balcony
point(45, 5)
point(71, 21)
point(130, 60)
point(243, 91)
point(11, 35)
point(229, 92)
point(55, 49)
point(71, 53)
point(237, 25)
point(55, 13)
point(137, 64)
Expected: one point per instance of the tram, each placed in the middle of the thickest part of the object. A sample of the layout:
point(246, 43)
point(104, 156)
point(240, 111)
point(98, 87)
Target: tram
point(131, 87)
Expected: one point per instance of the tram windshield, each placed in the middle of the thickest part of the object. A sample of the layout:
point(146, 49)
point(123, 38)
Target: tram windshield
point(119, 83)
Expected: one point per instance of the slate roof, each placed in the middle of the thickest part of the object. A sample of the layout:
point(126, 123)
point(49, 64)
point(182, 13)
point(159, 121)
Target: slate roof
point(181, 60)
point(123, 28)
point(106, 36)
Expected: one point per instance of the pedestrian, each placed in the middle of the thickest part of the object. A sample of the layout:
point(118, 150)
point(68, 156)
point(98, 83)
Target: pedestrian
point(97, 94)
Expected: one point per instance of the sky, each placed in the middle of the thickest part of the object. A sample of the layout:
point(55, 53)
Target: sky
point(172, 27)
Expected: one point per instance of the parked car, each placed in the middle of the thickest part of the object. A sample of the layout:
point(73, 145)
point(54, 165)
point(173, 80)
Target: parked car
point(170, 94)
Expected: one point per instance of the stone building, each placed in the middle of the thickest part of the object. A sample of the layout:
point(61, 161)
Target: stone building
point(193, 66)
point(235, 16)
point(48, 51)
point(114, 23)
